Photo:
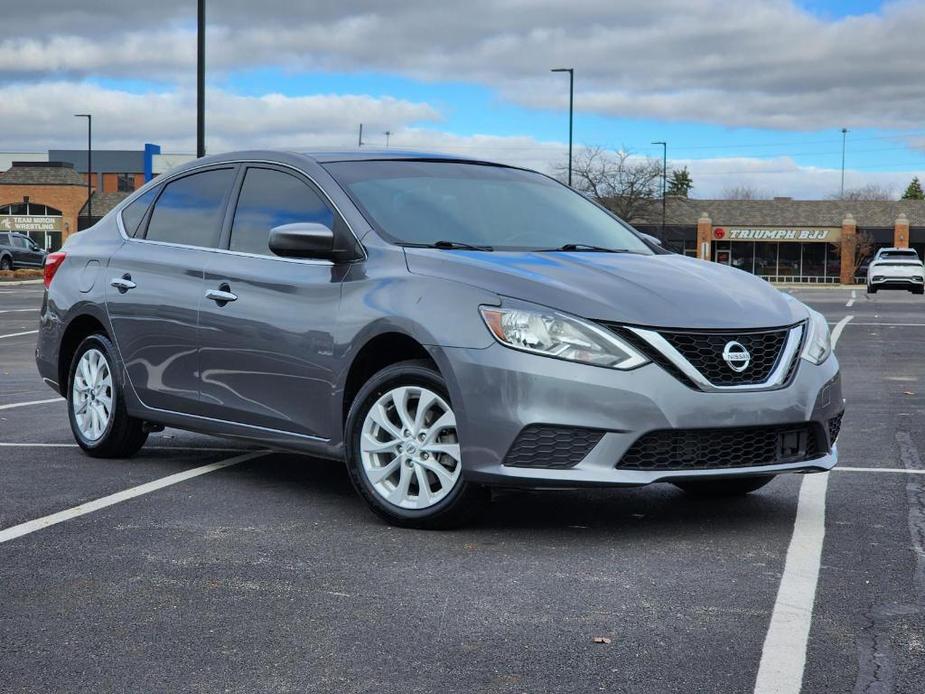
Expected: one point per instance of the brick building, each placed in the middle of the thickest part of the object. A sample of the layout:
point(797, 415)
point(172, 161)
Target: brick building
point(785, 240)
point(43, 200)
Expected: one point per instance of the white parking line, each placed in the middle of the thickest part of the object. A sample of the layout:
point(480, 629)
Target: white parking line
point(15, 531)
point(19, 310)
point(28, 332)
point(854, 296)
point(14, 405)
point(206, 449)
point(783, 656)
point(908, 471)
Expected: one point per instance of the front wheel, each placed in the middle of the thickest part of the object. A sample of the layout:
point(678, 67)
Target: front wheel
point(96, 408)
point(738, 486)
point(6, 263)
point(403, 450)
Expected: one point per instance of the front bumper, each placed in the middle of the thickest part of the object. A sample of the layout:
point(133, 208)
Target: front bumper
point(497, 392)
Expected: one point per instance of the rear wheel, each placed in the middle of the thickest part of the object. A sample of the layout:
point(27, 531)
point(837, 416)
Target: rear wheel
point(918, 290)
point(403, 450)
point(738, 486)
point(871, 290)
point(96, 408)
point(6, 263)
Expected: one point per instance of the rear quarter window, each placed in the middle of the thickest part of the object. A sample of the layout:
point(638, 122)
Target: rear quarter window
point(135, 211)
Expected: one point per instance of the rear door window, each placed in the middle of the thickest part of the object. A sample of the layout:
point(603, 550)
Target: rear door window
point(191, 209)
point(270, 198)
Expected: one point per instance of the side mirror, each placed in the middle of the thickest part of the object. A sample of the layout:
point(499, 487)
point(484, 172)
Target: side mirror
point(302, 240)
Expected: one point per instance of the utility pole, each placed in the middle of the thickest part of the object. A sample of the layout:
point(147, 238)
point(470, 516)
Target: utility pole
point(201, 79)
point(571, 112)
point(89, 118)
point(360, 137)
point(664, 182)
point(844, 137)
point(388, 134)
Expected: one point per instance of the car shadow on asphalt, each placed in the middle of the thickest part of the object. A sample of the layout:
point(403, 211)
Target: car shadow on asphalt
point(656, 509)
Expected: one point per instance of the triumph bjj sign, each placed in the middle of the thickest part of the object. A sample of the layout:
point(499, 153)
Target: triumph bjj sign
point(792, 234)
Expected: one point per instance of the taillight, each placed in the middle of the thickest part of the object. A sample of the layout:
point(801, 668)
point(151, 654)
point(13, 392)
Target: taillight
point(52, 263)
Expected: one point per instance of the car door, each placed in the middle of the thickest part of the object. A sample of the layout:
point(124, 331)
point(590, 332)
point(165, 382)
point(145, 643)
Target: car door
point(23, 255)
point(156, 286)
point(267, 336)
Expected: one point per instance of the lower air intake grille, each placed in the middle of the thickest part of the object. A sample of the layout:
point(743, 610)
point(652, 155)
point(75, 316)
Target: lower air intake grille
point(711, 449)
point(835, 427)
point(550, 447)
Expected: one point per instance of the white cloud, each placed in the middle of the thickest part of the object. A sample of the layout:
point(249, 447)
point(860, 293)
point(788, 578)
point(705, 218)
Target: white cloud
point(761, 63)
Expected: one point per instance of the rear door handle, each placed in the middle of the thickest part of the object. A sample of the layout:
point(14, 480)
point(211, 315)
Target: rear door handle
point(124, 283)
point(222, 295)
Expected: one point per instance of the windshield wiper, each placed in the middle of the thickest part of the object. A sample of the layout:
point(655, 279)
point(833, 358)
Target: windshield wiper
point(450, 246)
point(588, 247)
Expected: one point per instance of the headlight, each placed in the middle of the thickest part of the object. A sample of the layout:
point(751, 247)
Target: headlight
point(818, 339)
point(563, 337)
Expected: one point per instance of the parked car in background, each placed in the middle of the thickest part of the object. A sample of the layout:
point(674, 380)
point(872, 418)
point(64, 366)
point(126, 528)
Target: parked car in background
point(441, 325)
point(896, 268)
point(18, 250)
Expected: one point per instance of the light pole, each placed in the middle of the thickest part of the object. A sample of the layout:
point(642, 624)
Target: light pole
point(89, 160)
point(844, 137)
point(201, 79)
point(664, 182)
point(571, 111)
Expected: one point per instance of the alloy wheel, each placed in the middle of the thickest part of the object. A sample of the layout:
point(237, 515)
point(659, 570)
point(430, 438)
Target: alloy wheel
point(92, 394)
point(409, 447)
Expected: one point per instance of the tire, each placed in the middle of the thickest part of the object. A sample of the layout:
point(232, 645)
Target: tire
point(737, 486)
point(871, 290)
point(100, 435)
point(6, 263)
point(449, 499)
point(918, 290)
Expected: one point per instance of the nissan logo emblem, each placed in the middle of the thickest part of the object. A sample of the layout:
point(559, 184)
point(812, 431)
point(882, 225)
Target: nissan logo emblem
point(736, 356)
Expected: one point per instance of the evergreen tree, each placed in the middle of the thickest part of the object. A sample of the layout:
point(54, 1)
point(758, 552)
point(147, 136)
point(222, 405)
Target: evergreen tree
point(914, 191)
point(680, 183)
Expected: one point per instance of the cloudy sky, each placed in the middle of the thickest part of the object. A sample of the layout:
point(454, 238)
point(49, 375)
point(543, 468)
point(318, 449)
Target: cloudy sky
point(752, 92)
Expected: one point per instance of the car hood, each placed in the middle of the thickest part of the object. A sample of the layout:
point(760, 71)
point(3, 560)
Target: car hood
point(652, 290)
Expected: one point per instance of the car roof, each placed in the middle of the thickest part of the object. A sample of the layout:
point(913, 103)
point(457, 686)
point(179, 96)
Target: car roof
point(330, 156)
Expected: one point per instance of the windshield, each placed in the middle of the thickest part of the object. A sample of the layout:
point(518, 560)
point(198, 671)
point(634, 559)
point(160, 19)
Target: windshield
point(426, 202)
point(900, 255)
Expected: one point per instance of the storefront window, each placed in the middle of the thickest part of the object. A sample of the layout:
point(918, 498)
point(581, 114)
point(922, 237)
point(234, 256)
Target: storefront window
point(743, 256)
point(813, 260)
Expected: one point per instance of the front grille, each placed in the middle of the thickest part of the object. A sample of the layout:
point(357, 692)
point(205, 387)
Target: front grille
point(704, 350)
point(712, 449)
point(551, 447)
point(835, 427)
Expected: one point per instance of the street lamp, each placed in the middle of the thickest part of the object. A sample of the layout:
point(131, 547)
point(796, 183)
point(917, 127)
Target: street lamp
point(571, 111)
point(664, 182)
point(201, 79)
point(844, 137)
point(89, 160)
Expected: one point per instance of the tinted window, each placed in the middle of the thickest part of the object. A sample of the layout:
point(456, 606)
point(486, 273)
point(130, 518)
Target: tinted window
point(905, 255)
point(422, 202)
point(4, 239)
point(190, 209)
point(20, 241)
point(268, 199)
point(133, 213)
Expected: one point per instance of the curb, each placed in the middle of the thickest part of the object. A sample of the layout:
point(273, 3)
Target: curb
point(18, 283)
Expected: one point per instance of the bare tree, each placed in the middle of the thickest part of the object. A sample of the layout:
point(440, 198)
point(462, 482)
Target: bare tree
point(863, 247)
point(625, 184)
point(871, 191)
point(744, 192)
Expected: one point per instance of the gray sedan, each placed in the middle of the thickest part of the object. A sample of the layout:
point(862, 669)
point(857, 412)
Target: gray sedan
point(441, 325)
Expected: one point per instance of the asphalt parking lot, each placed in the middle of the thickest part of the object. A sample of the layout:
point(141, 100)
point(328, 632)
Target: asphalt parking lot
point(271, 575)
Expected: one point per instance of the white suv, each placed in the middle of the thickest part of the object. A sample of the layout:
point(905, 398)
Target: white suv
point(896, 268)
